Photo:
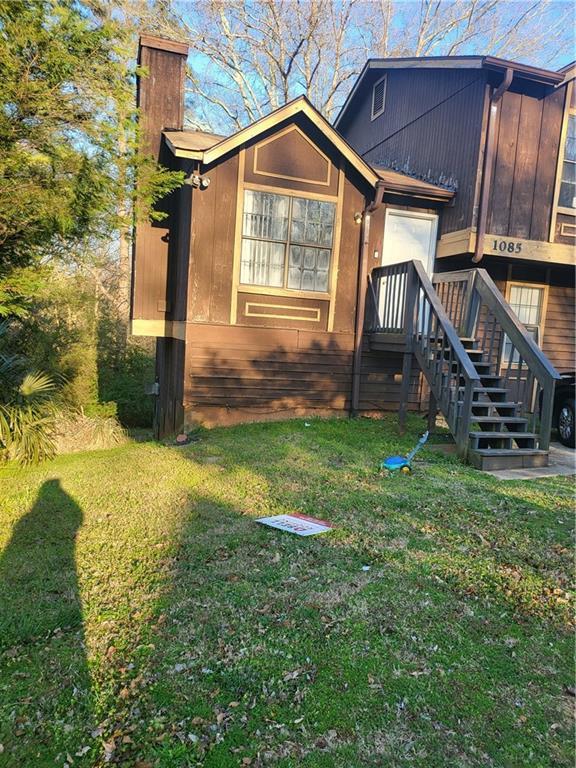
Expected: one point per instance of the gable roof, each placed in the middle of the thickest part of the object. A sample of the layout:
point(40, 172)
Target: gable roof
point(491, 63)
point(207, 147)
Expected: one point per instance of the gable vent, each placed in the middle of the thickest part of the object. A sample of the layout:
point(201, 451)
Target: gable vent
point(378, 97)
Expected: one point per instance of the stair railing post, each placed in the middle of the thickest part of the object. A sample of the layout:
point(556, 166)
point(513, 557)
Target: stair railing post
point(546, 415)
point(465, 419)
point(472, 307)
point(408, 329)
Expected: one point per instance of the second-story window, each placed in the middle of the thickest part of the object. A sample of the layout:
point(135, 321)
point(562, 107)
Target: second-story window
point(286, 241)
point(567, 198)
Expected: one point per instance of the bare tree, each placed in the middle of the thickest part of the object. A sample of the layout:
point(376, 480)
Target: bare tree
point(250, 56)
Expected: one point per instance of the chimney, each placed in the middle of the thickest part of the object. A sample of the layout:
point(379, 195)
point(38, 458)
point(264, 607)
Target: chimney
point(160, 93)
point(160, 99)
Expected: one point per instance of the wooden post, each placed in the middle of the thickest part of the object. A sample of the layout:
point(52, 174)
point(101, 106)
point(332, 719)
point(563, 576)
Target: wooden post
point(546, 416)
point(464, 420)
point(470, 315)
point(404, 390)
point(411, 296)
point(432, 412)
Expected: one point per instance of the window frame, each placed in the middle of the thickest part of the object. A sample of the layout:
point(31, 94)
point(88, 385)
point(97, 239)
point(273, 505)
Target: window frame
point(374, 115)
point(284, 290)
point(563, 208)
point(540, 326)
point(569, 109)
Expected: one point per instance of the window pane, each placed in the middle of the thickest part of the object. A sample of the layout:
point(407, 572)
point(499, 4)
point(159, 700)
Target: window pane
point(308, 268)
point(526, 302)
point(567, 198)
point(265, 215)
point(570, 147)
point(312, 222)
point(262, 263)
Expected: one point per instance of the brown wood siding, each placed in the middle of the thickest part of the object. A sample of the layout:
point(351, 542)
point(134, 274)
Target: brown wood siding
point(431, 127)
point(348, 264)
point(169, 413)
point(306, 167)
point(381, 381)
point(264, 372)
point(559, 342)
point(565, 229)
point(179, 269)
point(282, 311)
point(525, 159)
point(212, 245)
point(160, 107)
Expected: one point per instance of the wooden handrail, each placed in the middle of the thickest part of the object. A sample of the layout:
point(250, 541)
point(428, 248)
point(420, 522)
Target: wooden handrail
point(531, 353)
point(445, 323)
point(430, 331)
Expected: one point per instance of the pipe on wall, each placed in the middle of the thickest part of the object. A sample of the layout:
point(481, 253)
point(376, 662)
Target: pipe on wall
point(488, 163)
point(361, 294)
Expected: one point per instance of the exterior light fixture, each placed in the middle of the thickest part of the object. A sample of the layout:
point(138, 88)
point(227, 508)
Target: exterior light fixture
point(197, 181)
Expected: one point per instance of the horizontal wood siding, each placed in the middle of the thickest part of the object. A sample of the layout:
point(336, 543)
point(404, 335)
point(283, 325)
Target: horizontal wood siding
point(525, 159)
point(431, 128)
point(381, 380)
point(559, 342)
point(264, 373)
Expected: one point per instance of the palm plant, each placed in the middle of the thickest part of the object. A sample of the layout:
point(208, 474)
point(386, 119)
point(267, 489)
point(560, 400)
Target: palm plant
point(27, 412)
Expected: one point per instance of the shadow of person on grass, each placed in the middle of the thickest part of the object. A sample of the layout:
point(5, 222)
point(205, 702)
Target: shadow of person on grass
point(42, 651)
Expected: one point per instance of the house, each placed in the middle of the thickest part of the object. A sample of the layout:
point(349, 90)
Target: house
point(271, 292)
point(503, 136)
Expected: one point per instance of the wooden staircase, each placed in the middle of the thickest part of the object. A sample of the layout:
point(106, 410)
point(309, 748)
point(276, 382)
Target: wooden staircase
point(499, 438)
point(486, 375)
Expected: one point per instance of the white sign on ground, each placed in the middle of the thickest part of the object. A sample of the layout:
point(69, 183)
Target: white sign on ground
point(301, 525)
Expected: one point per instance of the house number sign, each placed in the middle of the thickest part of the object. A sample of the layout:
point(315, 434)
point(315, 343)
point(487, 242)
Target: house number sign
point(506, 246)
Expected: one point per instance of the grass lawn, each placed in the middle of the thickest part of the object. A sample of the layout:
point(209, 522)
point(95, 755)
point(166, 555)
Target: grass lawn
point(147, 620)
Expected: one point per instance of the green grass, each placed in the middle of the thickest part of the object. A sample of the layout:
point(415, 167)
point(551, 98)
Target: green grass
point(147, 620)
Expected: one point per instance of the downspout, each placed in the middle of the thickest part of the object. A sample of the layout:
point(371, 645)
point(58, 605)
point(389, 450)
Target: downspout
point(361, 294)
point(488, 163)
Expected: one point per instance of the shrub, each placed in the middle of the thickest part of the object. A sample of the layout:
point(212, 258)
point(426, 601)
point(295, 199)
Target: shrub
point(28, 421)
point(77, 431)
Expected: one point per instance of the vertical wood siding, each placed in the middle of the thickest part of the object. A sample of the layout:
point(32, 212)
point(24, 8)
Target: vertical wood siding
point(159, 99)
point(528, 138)
point(431, 128)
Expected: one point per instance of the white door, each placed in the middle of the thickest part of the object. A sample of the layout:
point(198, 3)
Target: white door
point(407, 235)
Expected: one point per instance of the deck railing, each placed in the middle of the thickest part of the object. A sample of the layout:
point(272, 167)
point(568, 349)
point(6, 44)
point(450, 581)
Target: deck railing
point(434, 315)
point(431, 337)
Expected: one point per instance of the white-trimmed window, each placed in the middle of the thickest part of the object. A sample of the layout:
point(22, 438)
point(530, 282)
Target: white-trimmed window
point(567, 195)
point(527, 302)
point(286, 241)
point(378, 97)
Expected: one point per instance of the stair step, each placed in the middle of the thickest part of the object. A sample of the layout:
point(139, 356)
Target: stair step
point(489, 408)
point(500, 434)
point(521, 438)
point(491, 459)
point(519, 420)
